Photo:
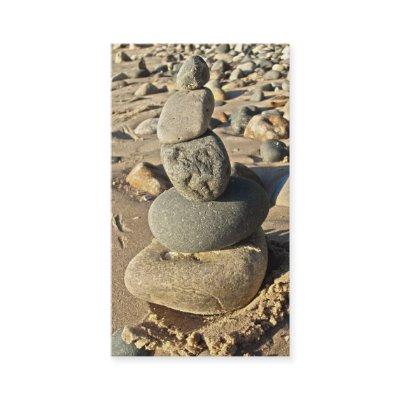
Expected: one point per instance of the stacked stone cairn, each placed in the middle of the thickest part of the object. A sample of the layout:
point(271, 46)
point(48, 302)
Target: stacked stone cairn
point(209, 254)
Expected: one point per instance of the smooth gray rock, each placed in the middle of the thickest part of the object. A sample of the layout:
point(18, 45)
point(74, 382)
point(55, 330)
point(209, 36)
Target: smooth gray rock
point(200, 283)
point(185, 115)
point(257, 95)
point(199, 169)
point(271, 74)
point(193, 74)
point(240, 118)
point(121, 348)
point(273, 150)
point(147, 127)
point(187, 226)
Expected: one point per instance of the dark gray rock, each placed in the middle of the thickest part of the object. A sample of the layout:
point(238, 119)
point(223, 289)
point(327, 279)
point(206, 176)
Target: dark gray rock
point(185, 115)
point(240, 118)
point(199, 169)
point(119, 77)
point(140, 73)
point(273, 150)
point(120, 348)
point(187, 226)
point(193, 74)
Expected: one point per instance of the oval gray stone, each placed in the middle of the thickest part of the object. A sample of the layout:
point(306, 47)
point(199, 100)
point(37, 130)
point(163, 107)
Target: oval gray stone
point(198, 169)
point(185, 115)
point(205, 283)
point(193, 74)
point(187, 226)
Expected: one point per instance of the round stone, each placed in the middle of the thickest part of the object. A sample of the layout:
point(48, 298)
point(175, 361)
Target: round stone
point(205, 283)
point(193, 74)
point(185, 115)
point(120, 348)
point(199, 169)
point(273, 150)
point(240, 118)
point(187, 226)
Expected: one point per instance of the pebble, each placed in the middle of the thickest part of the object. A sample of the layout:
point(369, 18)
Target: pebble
point(193, 74)
point(121, 56)
point(280, 125)
point(148, 178)
point(119, 77)
point(185, 115)
point(120, 348)
point(206, 283)
point(273, 150)
point(145, 89)
point(199, 169)
point(140, 73)
point(247, 68)
point(236, 74)
point(272, 75)
point(259, 129)
point(147, 127)
point(223, 48)
point(240, 118)
point(218, 93)
point(188, 226)
point(220, 65)
point(257, 95)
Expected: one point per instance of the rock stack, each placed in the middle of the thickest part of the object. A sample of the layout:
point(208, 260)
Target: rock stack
point(209, 255)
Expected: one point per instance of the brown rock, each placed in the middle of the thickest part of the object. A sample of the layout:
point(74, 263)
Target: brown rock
point(280, 125)
point(259, 129)
point(212, 282)
point(148, 178)
point(145, 89)
point(220, 116)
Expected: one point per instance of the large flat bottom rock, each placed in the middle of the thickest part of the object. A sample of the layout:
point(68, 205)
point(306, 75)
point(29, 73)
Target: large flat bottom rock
point(204, 283)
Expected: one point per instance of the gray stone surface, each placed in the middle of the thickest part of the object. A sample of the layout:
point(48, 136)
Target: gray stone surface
point(193, 74)
point(240, 118)
point(185, 115)
point(199, 169)
point(201, 283)
point(147, 127)
point(121, 348)
point(273, 150)
point(188, 226)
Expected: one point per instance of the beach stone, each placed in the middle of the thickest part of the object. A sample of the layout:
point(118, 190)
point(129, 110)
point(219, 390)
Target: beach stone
point(188, 226)
point(119, 77)
point(218, 93)
point(239, 169)
point(219, 115)
point(145, 89)
point(207, 283)
point(120, 348)
point(220, 65)
point(286, 111)
point(223, 48)
point(121, 56)
point(272, 74)
point(247, 67)
point(280, 125)
point(147, 127)
point(118, 85)
point(193, 74)
point(278, 67)
point(148, 178)
point(140, 73)
point(259, 129)
point(236, 74)
point(199, 169)
point(185, 115)
point(286, 85)
point(257, 95)
point(273, 150)
point(240, 118)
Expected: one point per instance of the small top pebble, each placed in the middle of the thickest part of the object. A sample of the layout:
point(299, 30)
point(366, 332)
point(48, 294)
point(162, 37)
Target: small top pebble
point(193, 74)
